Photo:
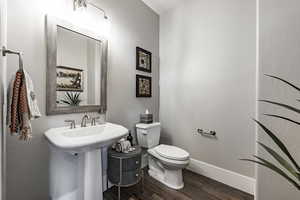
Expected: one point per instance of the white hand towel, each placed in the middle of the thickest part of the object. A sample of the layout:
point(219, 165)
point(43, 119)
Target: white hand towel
point(31, 98)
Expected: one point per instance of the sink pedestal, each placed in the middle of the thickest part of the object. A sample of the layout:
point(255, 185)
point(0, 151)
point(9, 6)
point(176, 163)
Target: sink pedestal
point(92, 177)
point(75, 177)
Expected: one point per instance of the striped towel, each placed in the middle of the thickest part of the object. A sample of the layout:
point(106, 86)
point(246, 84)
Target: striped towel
point(22, 106)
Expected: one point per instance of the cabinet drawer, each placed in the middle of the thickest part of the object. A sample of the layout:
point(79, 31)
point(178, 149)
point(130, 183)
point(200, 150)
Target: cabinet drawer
point(130, 164)
point(128, 178)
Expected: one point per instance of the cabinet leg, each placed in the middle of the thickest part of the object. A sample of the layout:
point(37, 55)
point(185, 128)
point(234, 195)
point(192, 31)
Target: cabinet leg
point(142, 182)
point(119, 193)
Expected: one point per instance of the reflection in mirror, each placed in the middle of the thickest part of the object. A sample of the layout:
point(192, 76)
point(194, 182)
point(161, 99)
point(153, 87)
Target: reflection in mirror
point(78, 70)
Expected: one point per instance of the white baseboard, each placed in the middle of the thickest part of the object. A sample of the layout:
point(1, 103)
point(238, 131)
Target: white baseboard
point(233, 179)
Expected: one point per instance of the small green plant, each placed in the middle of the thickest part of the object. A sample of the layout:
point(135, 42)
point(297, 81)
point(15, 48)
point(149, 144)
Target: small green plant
point(290, 164)
point(72, 99)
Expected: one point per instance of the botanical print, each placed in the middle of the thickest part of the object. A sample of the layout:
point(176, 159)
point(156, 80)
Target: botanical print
point(143, 84)
point(143, 60)
point(144, 88)
point(69, 79)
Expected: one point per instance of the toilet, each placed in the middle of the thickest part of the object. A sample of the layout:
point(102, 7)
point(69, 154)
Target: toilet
point(165, 161)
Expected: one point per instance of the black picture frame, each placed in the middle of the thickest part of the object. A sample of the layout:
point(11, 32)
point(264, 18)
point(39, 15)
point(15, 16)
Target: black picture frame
point(139, 90)
point(146, 66)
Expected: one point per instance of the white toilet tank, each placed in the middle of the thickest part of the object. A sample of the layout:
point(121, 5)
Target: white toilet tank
point(148, 135)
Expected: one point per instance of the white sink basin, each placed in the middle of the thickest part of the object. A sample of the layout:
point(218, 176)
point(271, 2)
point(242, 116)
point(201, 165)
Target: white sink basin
point(79, 176)
point(86, 138)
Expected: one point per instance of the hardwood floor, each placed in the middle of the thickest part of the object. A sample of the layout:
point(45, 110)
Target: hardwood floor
point(197, 187)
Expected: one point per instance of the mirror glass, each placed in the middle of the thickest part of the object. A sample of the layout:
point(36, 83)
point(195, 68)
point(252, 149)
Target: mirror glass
point(78, 69)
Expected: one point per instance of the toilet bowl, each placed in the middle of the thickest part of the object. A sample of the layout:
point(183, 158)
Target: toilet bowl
point(166, 163)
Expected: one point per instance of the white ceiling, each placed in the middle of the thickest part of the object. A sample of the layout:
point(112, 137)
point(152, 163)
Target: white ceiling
point(160, 6)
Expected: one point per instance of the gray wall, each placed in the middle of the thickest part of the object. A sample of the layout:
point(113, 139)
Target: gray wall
point(279, 55)
point(207, 54)
point(132, 24)
point(3, 13)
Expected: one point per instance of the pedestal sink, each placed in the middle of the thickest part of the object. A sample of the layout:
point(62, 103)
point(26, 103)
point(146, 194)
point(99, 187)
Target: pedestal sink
point(75, 160)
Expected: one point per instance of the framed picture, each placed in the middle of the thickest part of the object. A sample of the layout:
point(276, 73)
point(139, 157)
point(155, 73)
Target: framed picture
point(143, 60)
point(69, 79)
point(143, 86)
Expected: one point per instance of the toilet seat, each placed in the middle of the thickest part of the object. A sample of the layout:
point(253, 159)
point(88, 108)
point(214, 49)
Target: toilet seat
point(167, 161)
point(172, 152)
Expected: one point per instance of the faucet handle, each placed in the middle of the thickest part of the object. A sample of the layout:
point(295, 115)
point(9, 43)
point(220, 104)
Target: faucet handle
point(73, 124)
point(94, 119)
point(87, 116)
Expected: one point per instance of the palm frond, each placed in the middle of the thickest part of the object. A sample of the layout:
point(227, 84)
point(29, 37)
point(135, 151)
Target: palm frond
point(275, 169)
point(285, 118)
point(66, 102)
point(72, 99)
point(279, 144)
point(290, 84)
point(77, 95)
point(280, 160)
point(69, 95)
point(282, 105)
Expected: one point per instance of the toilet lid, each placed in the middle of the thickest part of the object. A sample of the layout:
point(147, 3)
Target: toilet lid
point(172, 152)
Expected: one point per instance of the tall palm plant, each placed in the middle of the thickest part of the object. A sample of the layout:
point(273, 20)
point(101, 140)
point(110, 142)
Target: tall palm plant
point(292, 169)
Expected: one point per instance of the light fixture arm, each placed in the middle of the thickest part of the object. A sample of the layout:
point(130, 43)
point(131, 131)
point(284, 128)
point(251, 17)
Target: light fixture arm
point(97, 7)
point(85, 3)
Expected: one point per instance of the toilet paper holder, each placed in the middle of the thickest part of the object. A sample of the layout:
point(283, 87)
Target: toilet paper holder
point(205, 133)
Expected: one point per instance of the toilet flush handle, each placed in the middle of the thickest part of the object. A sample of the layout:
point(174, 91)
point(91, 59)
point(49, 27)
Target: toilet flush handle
point(144, 132)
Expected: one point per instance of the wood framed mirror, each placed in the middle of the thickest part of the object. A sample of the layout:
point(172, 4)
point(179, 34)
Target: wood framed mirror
point(76, 69)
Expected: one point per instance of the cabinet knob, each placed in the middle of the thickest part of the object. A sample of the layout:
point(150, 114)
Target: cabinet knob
point(137, 162)
point(137, 175)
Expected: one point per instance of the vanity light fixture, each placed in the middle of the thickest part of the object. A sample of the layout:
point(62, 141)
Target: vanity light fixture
point(84, 3)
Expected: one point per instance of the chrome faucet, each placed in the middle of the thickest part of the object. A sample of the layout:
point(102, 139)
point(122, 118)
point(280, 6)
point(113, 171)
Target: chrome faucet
point(84, 120)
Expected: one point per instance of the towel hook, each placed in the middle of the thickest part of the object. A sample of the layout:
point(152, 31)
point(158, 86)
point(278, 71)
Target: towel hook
point(6, 51)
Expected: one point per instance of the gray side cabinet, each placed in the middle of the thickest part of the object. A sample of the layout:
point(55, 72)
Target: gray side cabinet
point(124, 169)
